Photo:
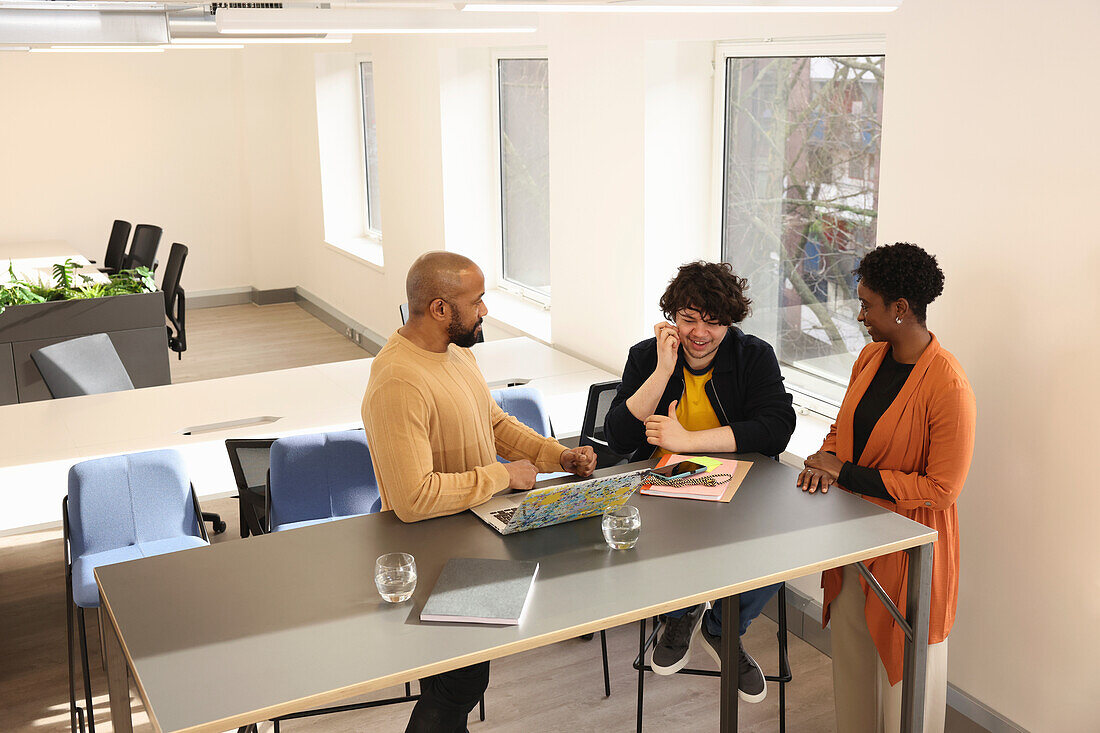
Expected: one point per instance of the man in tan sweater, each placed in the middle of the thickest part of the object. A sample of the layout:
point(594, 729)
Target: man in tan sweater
point(435, 432)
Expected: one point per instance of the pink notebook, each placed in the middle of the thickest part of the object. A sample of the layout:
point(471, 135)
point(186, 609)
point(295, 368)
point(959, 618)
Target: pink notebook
point(721, 492)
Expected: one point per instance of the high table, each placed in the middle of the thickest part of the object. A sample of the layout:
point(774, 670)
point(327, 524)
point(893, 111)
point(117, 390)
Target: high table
point(298, 623)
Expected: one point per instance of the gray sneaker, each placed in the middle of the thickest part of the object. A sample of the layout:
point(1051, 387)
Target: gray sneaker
point(672, 650)
point(751, 685)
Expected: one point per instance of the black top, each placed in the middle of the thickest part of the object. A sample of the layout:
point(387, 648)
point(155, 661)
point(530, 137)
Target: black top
point(884, 388)
point(745, 390)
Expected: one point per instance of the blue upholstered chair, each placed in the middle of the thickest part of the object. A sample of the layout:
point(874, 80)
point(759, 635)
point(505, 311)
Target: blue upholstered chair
point(525, 404)
point(320, 477)
point(162, 515)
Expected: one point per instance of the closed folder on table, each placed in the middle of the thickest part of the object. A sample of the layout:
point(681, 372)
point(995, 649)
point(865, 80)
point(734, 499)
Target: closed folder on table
point(715, 466)
point(481, 591)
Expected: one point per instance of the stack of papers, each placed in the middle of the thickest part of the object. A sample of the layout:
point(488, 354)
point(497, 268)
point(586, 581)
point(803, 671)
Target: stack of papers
point(721, 492)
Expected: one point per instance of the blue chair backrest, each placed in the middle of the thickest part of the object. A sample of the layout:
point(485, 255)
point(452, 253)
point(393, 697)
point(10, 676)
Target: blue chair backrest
point(525, 404)
point(126, 500)
point(321, 475)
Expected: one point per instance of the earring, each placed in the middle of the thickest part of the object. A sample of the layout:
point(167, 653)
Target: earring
point(898, 320)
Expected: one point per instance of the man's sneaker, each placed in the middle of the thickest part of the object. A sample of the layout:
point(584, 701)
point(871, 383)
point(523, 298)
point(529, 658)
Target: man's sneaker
point(751, 686)
point(671, 652)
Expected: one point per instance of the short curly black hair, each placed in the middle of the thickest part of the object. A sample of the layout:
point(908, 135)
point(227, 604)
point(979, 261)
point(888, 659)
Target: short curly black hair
point(902, 270)
point(711, 288)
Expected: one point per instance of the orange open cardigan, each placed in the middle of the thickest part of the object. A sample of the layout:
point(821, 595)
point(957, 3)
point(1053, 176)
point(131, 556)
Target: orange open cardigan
point(922, 446)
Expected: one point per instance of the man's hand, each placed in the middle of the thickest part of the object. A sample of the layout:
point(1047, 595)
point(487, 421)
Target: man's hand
point(521, 474)
point(668, 347)
point(581, 461)
point(667, 432)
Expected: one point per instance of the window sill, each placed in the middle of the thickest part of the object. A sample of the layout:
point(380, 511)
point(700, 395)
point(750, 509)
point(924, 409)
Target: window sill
point(365, 250)
point(810, 430)
point(518, 314)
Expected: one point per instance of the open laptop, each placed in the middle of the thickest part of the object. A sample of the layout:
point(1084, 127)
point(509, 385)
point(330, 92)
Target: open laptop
point(519, 512)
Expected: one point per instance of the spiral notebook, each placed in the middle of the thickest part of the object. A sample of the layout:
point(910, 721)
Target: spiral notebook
point(481, 591)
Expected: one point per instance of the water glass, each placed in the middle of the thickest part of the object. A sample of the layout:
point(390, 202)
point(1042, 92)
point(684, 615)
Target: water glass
point(395, 576)
point(621, 527)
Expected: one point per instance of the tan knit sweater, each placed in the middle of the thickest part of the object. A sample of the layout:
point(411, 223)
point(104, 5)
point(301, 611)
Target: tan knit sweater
point(435, 432)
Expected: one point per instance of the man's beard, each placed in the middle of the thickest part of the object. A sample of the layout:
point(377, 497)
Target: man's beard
point(459, 336)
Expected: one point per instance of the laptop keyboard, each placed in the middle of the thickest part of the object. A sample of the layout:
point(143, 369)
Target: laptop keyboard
point(504, 515)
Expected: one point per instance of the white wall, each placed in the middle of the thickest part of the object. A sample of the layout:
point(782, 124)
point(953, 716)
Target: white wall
point(989, 161)
point(183, 139)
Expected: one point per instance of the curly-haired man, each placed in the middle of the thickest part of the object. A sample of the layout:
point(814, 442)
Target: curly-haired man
point(702, 385)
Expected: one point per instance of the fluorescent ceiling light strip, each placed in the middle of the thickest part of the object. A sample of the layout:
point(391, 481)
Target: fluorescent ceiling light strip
point(200, 46)
point(230, 40)
point(99, 49)
point(698, 9)
point(366, 20)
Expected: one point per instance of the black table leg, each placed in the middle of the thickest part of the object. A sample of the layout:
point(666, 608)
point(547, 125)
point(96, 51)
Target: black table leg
point(731, 671)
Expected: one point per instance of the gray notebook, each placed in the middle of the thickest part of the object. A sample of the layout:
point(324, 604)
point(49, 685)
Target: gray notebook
point(476, 591)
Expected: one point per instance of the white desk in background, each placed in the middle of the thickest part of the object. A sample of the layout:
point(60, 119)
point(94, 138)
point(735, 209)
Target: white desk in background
point(34, 261)
point(41, 440)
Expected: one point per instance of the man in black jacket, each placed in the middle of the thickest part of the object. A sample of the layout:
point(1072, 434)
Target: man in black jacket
point(702, 385)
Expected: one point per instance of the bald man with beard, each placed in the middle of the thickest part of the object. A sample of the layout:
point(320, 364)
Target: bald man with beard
point(435, 432)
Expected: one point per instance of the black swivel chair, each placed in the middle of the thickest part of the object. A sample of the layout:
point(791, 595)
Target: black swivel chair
point(116, 247)
point(404, 309)
point(600, 397)
point(90, 365)
point(143, 250)
point(174, 299)
point(250, 459)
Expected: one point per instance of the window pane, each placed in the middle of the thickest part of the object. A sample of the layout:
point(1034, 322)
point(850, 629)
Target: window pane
point(525, 171)
point(801, 199)
point(370, 147)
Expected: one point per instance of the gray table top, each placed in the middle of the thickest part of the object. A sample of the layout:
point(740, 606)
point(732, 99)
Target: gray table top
point(241, 631)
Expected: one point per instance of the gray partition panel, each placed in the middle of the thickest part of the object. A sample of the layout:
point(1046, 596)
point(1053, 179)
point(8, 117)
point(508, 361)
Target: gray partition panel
point(294, 616)
point(9, 394)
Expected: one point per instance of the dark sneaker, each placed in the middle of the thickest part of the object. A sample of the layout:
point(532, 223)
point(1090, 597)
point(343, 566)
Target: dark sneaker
point(671, 652)
point(751, 686)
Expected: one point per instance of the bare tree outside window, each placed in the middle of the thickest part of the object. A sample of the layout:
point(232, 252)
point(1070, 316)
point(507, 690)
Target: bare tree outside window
point(800, 199)
point(370, 148)
point(524, 102)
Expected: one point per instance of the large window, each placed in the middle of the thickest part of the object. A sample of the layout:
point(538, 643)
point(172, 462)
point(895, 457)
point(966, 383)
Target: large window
point(524, 128)
point(370, 148)
point(800, 203)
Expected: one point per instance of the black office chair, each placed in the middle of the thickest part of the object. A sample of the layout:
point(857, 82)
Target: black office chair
point(175, 299)
point(404, 309)
point(143, 250)
point(250, 459)
point(600, 397)
point(116, 247)
point(90, 365)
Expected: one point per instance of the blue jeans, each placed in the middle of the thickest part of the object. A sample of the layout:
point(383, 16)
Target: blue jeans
point(752, 603)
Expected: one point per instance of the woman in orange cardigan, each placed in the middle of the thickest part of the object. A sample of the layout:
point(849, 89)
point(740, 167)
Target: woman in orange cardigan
point(903, 439)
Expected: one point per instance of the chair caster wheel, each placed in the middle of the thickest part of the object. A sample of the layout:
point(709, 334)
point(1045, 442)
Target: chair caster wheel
point(219, 527)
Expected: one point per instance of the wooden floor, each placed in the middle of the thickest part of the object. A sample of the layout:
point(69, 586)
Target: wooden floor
point(557, 688)
point(245, 339)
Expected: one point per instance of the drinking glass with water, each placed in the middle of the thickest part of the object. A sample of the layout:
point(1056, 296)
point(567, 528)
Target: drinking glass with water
point(621, 527)
point(395, 576)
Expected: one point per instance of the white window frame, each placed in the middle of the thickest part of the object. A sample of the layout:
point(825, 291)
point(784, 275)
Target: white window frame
point(502, 283)
point(813, 394)
point(369, 233)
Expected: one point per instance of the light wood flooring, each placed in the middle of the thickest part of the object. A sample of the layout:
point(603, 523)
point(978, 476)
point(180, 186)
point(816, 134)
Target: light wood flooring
point(556, 688)
point(245, 339)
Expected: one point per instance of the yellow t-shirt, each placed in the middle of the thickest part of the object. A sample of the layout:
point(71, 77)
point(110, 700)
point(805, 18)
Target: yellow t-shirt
point(694, 410)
